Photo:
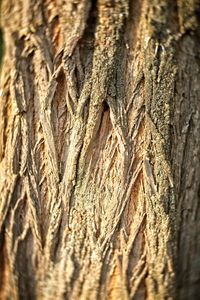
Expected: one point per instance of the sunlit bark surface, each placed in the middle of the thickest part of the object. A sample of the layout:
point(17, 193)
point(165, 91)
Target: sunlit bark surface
point(100, 150)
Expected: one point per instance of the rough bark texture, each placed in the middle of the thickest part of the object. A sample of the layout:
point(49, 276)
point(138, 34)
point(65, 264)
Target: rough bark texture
point(100, 150)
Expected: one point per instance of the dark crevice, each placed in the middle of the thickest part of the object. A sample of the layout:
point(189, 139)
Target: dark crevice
point(24, 269)
point(173, 19)
point(86, 46)
point(58, 236)
point(105, 106)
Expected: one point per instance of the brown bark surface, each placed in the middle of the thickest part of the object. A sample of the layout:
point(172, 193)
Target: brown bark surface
point(100, 150)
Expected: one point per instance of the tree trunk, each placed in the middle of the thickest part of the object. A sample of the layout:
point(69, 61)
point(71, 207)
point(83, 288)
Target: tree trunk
point(100, 150)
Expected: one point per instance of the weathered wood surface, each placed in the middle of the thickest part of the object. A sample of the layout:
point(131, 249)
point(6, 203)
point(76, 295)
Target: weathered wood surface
point(100, 150)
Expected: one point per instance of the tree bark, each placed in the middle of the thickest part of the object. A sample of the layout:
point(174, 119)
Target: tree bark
point(100, 150)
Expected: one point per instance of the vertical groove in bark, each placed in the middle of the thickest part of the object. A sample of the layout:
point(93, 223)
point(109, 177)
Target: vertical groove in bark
point(99, 151)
